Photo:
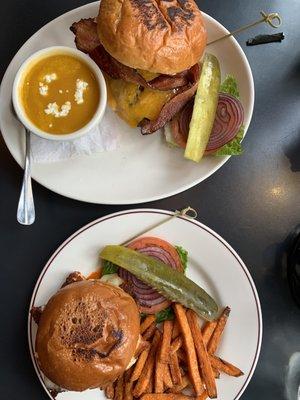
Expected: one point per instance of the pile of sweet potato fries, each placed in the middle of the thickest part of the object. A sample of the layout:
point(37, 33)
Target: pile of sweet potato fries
point(177, 362)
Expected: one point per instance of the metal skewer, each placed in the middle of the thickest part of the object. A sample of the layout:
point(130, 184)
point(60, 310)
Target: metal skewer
point(273, 19)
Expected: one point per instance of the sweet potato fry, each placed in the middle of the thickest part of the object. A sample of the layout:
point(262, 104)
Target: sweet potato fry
point(175, 369)
point(216, 373)
point(149, 388)
point(208, 330)
point(184, 383)
point(147, 372)
point(128, 391)
point(119, 388)
point(146, 323)
point(217, 334)
point(166, 396)
point(159, 373)
point(203, 358)
point(182, 355)
point(167, 379)
point(176, 330)
point(190, 348)
point(142, 345)
point(203, 396)
point(148, 334)
point(176, 344)
point(109, 391)
point(139, 365)
point(225, 366)
point(166, 341)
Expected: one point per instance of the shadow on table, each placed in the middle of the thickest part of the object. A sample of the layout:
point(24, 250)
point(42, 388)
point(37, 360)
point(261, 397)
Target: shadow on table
point(292, 381)
point(7, 162)
point(281, 323)
point(292, 152)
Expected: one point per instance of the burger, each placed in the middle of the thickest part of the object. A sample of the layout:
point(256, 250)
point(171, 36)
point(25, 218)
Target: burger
point(149, 51)
point(87, 335)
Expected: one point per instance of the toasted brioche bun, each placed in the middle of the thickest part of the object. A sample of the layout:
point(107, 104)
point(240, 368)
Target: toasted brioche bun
point(164, 37)
point(87, 335)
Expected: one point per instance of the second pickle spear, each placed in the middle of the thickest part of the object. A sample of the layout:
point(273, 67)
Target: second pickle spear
point(172, 284)
point(204, 111)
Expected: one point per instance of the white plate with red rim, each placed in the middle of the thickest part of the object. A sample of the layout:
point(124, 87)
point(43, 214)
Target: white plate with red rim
point(143, 168)
point(212, 264)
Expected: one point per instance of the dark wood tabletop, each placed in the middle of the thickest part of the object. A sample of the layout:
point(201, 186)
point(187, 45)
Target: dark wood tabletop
point(253, 201)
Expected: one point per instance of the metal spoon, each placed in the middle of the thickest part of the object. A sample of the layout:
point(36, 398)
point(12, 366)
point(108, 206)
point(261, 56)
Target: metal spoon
point(26, 212)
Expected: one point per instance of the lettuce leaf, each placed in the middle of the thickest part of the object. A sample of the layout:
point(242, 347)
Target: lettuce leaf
point(183, 254)
point(109, 268)
point(233, 148)
point(230, 86)
point(164, 315)
point(161, 316)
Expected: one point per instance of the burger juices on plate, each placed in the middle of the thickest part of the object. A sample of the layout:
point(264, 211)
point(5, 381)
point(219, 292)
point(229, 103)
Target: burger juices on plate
point(150, 52)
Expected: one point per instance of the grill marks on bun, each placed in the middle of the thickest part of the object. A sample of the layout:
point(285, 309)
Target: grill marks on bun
point(161, 14)
point(87, 335)
point(159, 36)
point(180, 13)
point(149, 13)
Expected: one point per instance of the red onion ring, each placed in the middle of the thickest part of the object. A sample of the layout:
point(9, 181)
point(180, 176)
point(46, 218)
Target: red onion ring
point(148, 299)
point(228, 121)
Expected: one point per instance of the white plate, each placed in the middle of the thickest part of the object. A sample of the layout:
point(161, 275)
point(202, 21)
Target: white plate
point(213, 264)
point(143, 168)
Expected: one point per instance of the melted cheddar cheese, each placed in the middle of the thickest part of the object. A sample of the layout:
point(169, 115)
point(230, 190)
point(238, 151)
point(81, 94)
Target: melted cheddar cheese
point(134, 103)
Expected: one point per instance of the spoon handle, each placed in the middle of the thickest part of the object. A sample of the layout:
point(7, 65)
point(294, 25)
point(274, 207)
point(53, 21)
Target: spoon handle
point(26, 212)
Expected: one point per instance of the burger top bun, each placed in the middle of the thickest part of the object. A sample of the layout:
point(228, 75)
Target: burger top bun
point(162, 36)
point(87, 335)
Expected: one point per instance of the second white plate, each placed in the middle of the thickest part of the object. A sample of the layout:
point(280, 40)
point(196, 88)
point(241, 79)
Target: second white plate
point(213, 264)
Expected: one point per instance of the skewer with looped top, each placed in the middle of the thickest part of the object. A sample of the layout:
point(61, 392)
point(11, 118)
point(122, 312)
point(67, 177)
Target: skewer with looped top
point(272, 19)
point(187, 212)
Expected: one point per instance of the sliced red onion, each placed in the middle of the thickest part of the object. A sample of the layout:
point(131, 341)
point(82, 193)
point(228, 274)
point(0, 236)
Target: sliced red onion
point(228, 121)
point(149, 300)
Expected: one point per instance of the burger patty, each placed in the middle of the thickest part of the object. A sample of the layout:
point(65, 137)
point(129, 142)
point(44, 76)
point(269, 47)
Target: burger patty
point(86, 39)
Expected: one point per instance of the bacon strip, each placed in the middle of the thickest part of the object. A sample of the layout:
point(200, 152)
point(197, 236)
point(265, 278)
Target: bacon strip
point(86, 36)
point(172, 107)
point(86, 39)
point(36, 313)
point(168, 82)
point(114, 68)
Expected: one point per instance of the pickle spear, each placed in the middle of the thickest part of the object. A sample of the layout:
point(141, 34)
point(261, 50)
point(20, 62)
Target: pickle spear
point(172, 284)
point(204, 111)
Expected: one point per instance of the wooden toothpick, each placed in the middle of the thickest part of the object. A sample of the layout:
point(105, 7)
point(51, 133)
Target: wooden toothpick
point(187, 212)
point(273, 19)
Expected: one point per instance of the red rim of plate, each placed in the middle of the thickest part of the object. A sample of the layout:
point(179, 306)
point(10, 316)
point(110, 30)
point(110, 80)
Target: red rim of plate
point(148, 211)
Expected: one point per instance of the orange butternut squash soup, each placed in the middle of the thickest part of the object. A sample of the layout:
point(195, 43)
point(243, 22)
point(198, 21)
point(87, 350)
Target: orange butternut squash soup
point(59, 93)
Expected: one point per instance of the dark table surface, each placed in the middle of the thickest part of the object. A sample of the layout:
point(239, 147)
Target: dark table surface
point(253, 201)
